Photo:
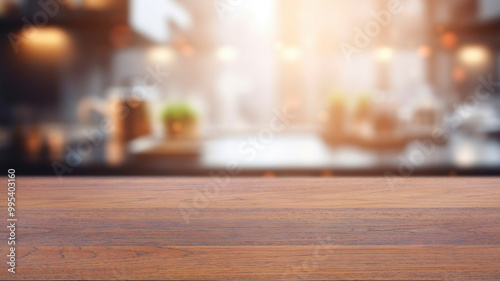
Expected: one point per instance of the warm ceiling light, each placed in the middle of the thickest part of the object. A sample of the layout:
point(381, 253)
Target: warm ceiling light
point(291, 54)
point(165, 55)
point(98, 4)
point(226, 54)
point(459, 74)
point(473, 55)
point(46, 44)
point(424, 51)
point(449, 40)
point(384, 54)
point(49, 37)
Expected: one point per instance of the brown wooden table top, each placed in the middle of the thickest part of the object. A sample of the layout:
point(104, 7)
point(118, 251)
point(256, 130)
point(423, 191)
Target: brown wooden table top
point(256, 228)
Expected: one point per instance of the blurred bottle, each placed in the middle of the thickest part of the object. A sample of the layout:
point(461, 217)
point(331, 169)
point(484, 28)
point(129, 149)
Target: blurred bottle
point(336, 125)
point(363, 112)
point(128, 118)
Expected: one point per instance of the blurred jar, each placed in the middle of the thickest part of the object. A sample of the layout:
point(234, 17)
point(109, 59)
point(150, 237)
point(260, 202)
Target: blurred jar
point(125, 117)
point(335, 127)
point(425, 115)
point(385, 121)
point(56, 142)
point(34, 143)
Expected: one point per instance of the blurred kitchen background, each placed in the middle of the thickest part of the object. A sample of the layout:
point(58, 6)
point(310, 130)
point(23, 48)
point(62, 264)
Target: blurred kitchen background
point(258, 87)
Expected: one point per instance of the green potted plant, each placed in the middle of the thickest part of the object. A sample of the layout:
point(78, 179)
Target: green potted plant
point(181, 121)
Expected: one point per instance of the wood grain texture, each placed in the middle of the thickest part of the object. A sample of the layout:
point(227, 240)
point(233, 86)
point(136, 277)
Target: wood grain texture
point(253, 228)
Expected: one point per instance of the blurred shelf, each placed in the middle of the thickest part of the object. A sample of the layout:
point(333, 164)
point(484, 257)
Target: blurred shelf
point(475, 26)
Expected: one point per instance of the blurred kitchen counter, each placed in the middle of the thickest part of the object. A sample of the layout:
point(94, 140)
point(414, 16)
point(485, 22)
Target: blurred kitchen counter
point(304, 154)
point(310, 154)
